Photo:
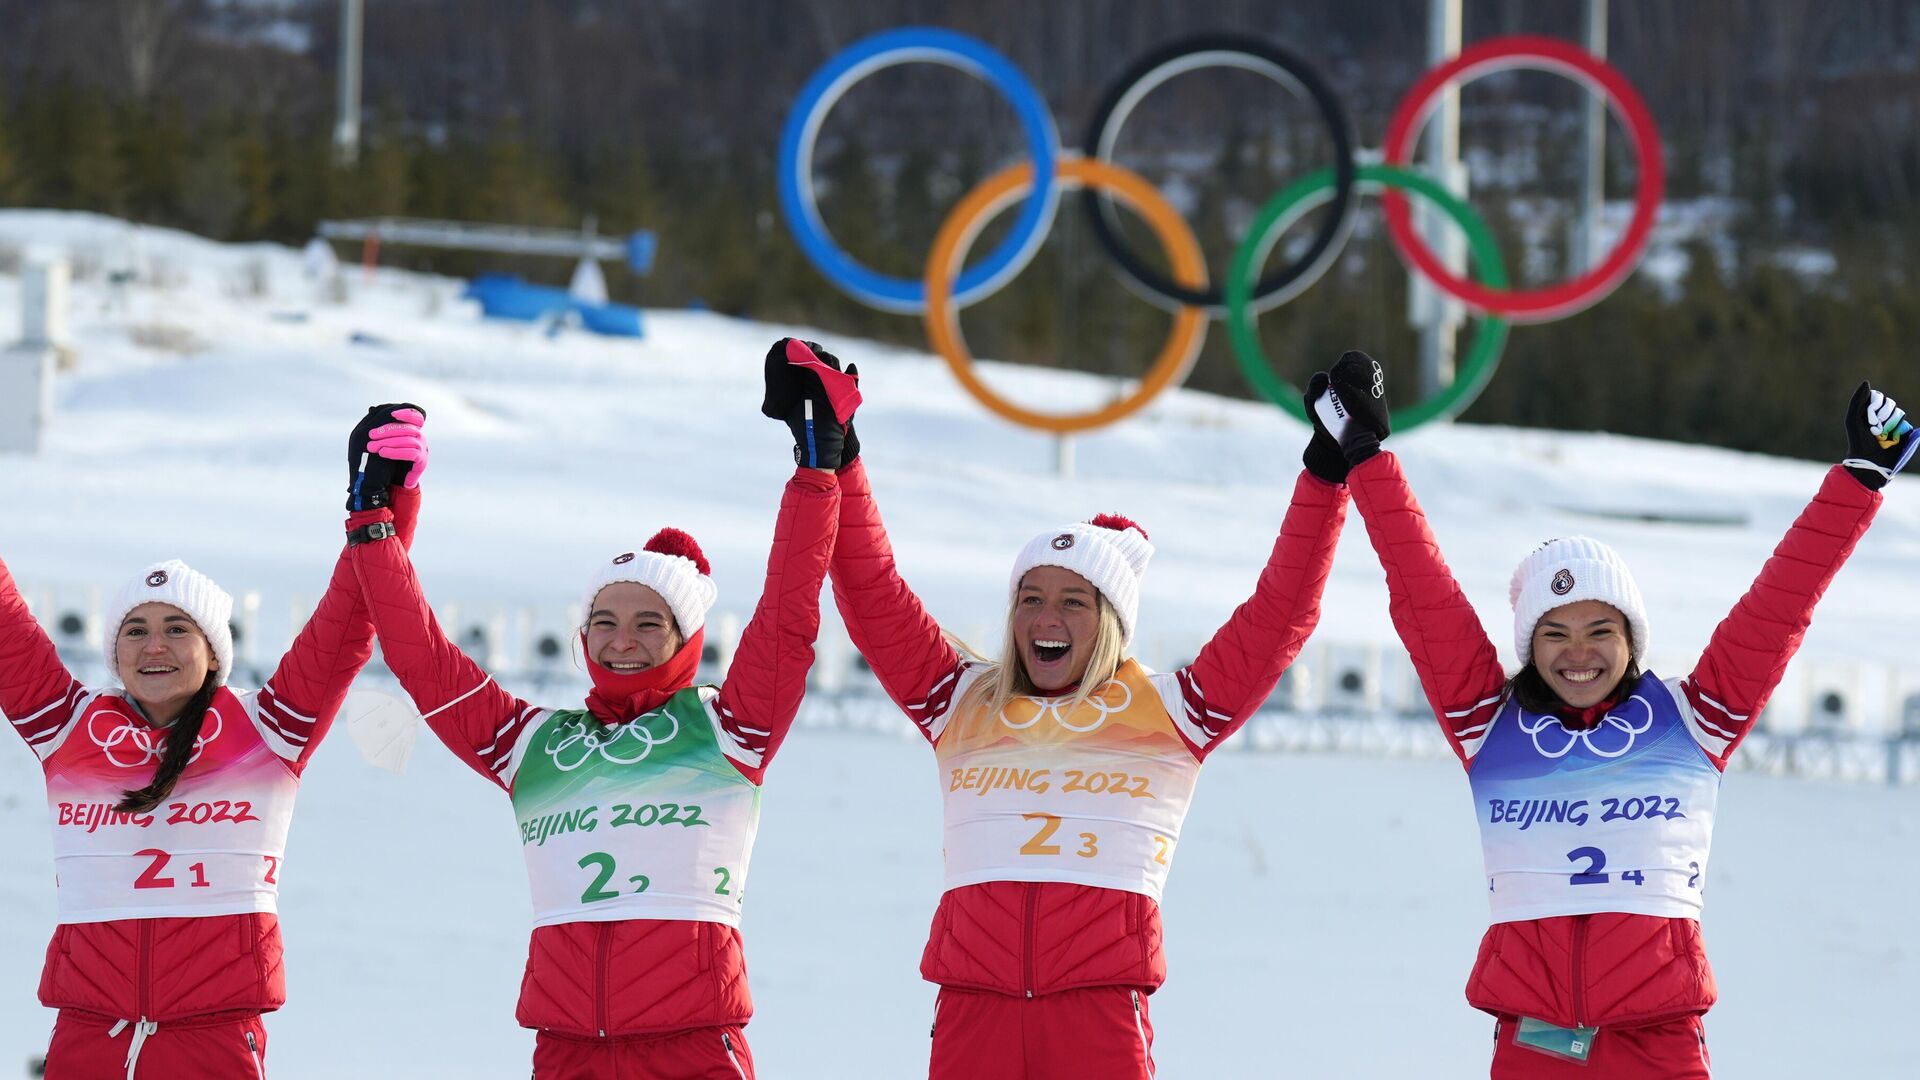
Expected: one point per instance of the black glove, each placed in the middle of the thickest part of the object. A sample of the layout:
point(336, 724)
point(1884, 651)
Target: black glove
point(1322, 457)
point(1880, 440)
point(797, 397)
point(1359, 387)
point(369, 476)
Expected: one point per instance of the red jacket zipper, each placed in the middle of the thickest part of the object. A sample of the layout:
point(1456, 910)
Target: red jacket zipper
point(1026, 930)
point(1579, 954)
point(143, 966)
point(600, 978)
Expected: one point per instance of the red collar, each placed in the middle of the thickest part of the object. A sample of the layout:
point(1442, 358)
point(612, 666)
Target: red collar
point(1581, 719)
point(617, 698)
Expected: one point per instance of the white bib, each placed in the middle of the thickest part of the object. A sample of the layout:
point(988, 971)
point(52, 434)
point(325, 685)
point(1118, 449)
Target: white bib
point(641, 820)
point(1095, 796)
point(1618, 817)
point(212, 847)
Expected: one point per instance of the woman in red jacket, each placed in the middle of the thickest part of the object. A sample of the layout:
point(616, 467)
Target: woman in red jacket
point(171, 795)
point(1595, 782)
point(637, 809)
point(1066, 769)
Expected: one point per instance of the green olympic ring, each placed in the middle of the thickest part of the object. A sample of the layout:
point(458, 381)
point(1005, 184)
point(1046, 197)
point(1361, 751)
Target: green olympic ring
point(1279, 214)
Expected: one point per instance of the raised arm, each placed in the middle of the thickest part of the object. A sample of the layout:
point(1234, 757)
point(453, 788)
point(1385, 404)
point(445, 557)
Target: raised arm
point(478, 721)
point(297, 706)
point(913, 661)
point(38, 695)
point(1238, 668)
point(1748, 654)
point(916, 665)
point(1457, 664)
point(768, 674)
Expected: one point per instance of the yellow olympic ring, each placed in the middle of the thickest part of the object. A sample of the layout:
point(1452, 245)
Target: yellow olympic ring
point(1003, 189)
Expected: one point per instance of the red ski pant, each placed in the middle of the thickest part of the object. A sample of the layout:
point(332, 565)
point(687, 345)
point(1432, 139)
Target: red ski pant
point(224, 1046)
point(1672, 1050)
point(708, 1053)
point(1096, 1033)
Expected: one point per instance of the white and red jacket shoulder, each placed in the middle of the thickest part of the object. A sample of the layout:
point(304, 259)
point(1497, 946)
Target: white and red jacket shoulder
point(634, 976)
point(1633, 968)
point(1035, 937)
point(175, 967)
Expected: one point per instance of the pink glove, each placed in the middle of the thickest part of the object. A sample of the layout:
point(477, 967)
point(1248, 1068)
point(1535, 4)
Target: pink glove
point(403, 440)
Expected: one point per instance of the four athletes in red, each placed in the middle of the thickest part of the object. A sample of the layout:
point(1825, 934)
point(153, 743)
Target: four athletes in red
point(1066, 768)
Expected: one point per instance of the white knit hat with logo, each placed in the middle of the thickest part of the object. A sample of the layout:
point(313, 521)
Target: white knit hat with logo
point(174, 582)
point(1566, 571)
point(1110, 551)
point(670, 564)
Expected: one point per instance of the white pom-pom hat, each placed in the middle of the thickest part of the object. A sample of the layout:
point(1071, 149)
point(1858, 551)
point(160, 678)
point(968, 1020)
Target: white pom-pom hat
point(1567, 571)
point(670, 564)
point(1110, 551)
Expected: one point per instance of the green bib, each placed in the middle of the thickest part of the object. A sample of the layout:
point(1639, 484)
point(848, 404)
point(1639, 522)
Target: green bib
point(641, 820)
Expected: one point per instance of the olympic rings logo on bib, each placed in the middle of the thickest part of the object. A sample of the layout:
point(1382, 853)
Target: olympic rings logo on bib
point(1098, 702)
point(1612, 727)
point(1035, 185)
point(130, 739)
point(575, 743)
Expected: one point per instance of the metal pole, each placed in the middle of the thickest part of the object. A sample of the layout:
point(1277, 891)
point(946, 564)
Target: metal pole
point(346, 125)
point(1585, 248)
point(1436, 315)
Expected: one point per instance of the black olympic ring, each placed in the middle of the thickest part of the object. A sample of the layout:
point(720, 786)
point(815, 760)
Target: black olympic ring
point(1218, 50)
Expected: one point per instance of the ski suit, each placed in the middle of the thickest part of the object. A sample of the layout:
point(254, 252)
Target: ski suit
point(168, 944)
point(1060, 829)
point(1602, 931)
point(636, 834)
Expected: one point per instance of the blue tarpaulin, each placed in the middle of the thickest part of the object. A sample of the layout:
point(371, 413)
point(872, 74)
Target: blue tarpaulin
point(507, 296)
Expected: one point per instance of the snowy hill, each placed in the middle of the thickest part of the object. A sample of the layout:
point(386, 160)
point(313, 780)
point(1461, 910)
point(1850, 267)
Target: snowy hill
point(1326, 908)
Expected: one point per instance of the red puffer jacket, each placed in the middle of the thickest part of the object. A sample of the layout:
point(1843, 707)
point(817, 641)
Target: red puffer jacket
point(633, 976)
point(1033, 937)
point(1610, 969)
point(166, 969)
point(1038, 937)
point(173, 968)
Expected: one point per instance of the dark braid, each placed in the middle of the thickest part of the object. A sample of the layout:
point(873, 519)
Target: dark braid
point(181, 735)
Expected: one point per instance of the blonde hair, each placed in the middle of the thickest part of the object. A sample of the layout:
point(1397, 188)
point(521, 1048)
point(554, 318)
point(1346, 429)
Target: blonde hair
point(1006, 678)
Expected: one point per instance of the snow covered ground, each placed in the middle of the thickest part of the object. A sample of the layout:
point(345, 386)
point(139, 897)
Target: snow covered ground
point(1326, 908)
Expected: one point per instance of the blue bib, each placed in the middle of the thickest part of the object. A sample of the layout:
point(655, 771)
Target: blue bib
point(1618, 817)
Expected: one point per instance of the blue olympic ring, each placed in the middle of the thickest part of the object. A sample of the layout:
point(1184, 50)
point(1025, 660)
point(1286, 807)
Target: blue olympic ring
point(887, 49)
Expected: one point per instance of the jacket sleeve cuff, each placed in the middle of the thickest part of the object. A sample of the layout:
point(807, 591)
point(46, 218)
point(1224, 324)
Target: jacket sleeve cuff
point(814, 479)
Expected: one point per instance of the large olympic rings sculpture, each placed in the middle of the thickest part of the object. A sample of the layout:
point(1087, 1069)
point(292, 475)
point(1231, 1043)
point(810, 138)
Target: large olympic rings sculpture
point(947, 285)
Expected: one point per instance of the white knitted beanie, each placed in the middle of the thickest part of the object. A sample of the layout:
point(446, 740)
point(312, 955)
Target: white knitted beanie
point(174, 582)
point(670, 564)
point(1110, 551)
point(1566, 571)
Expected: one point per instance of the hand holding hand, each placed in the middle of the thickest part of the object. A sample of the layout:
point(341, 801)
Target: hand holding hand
point(387, 447)
point(1880, 439)
point(1351, 407)
point(806, 390)
point(1322, 456)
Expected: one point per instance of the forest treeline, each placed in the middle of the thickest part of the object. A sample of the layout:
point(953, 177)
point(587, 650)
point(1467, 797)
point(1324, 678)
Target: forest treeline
point(217, 118)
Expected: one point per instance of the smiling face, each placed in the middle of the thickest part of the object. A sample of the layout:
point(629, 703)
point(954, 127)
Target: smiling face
point(631, 629)
point(1582, 651)
point(1056, 619)
point(163, 659)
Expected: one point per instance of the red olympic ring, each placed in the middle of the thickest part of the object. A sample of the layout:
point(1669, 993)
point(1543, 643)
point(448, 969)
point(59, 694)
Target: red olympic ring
point(1546, 54)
